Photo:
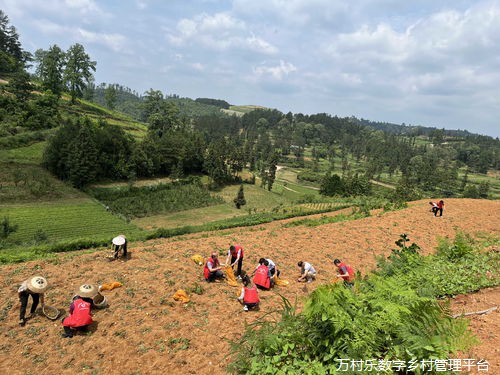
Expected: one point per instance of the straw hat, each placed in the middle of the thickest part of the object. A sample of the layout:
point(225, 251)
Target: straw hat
point(87, 290)
point(37, 284)
point(100, 301)
point(119, 240)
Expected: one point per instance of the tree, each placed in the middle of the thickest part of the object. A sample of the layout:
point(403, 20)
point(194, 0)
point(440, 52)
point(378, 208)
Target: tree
point(83, 156)
point(12, 56)
point(6, 228)
point(50, 68)
point(110, 96)
point(331, 185)
point(78, 71)
point(272, 164)
point(240, 198)
point(20, 86)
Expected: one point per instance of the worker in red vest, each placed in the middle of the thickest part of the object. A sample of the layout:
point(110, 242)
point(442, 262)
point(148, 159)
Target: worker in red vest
point(212, 270)
point(440, 207)
point(249, 296)
point(262, 276)
point(235, 254)
point(345, 272)
point(79, 317)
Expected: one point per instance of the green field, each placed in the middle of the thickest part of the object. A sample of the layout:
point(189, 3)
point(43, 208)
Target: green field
point(63, 220)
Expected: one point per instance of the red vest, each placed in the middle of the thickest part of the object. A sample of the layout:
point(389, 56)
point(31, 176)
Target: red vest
point(234, 253)
point(80, 316)
point(261, 277)
point(206, 270)
point(251, 295)
point(350, 272)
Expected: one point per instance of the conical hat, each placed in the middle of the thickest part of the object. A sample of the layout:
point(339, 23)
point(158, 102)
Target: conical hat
point(119, 240)
point(87, 290)
point(37, 284)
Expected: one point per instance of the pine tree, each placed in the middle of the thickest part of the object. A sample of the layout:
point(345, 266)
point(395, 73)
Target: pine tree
point(240, 198)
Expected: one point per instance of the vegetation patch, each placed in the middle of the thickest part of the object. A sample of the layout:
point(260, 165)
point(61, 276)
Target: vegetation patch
point(162, 198)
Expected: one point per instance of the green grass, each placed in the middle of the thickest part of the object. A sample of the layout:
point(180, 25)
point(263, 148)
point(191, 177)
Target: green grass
point(63, 220)
point(27, 154)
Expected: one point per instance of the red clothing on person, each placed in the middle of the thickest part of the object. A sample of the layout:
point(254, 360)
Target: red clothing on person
point(251, 295)
point(80, 315)
point(261, 277)
point(350, 271)
point(234, 253)
point(206, 270)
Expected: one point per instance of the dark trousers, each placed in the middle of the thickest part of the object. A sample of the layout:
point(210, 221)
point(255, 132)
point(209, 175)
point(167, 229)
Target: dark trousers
point(68, 331)
point(121, 247)
point(23, 297)
point(212, 276)
point(440, 210)
point(240, 263)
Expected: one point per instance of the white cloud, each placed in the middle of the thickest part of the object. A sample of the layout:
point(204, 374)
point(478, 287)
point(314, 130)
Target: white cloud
point(277, 72)
point(83, 6)
point(198, 66)
point(113, 41)
point(220, 31)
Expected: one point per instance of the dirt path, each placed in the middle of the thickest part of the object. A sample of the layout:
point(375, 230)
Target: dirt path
point(144, 331)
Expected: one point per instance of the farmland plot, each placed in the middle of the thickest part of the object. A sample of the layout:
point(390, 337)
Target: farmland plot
point(63, 220)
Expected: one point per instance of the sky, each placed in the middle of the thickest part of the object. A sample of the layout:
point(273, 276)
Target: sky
point(427, 62)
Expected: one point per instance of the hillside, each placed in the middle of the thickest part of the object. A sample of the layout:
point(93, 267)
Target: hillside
point(143, 331)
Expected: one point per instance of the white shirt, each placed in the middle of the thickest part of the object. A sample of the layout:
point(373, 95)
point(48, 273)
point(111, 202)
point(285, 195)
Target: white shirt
point(271, 265)
point(309, 268)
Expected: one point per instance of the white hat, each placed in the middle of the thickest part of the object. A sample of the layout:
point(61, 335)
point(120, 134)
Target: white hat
point(37, 284)
point(87, 290)
point(119, 240)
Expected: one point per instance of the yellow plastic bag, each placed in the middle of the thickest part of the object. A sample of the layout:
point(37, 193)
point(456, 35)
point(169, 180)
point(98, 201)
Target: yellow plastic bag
point(181, 295)
point(198, 259)
point(231, 279)
point(279, 282)
point(110, 286)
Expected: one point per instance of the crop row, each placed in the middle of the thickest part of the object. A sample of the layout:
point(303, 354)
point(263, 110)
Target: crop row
point(63, 222)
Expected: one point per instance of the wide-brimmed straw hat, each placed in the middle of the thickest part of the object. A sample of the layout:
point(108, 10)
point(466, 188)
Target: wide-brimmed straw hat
point(37, 284)
point(119, 240)
point(87, 290)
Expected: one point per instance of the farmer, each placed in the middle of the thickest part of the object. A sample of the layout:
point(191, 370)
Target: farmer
point(307, 272)
point(345, 272)
point(34, 287)
point(262, 277)
point(235, 254)
point(212, 270)
point(249, 296)
point(274, 272)
point(434, 207)
point(120, 244)
point(440, 207)
point(79, 310)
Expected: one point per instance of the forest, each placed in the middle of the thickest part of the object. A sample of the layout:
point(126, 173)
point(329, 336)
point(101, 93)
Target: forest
point(186, 136)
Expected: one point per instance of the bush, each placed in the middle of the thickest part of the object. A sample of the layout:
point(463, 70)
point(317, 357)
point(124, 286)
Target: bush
point(6, 228)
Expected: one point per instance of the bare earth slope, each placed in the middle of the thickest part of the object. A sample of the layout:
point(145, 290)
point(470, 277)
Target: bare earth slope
point(144, 331)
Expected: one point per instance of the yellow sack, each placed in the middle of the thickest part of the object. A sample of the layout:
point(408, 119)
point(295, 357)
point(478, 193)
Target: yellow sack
point(198, 259)
point(231, 279)
point(279, 282)
point(181, 295)
point(110, 286)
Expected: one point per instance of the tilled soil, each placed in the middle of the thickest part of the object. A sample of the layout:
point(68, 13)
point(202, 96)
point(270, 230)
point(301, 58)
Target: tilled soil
point(144, 331)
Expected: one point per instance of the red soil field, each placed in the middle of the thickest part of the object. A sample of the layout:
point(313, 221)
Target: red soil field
point(144, 331)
